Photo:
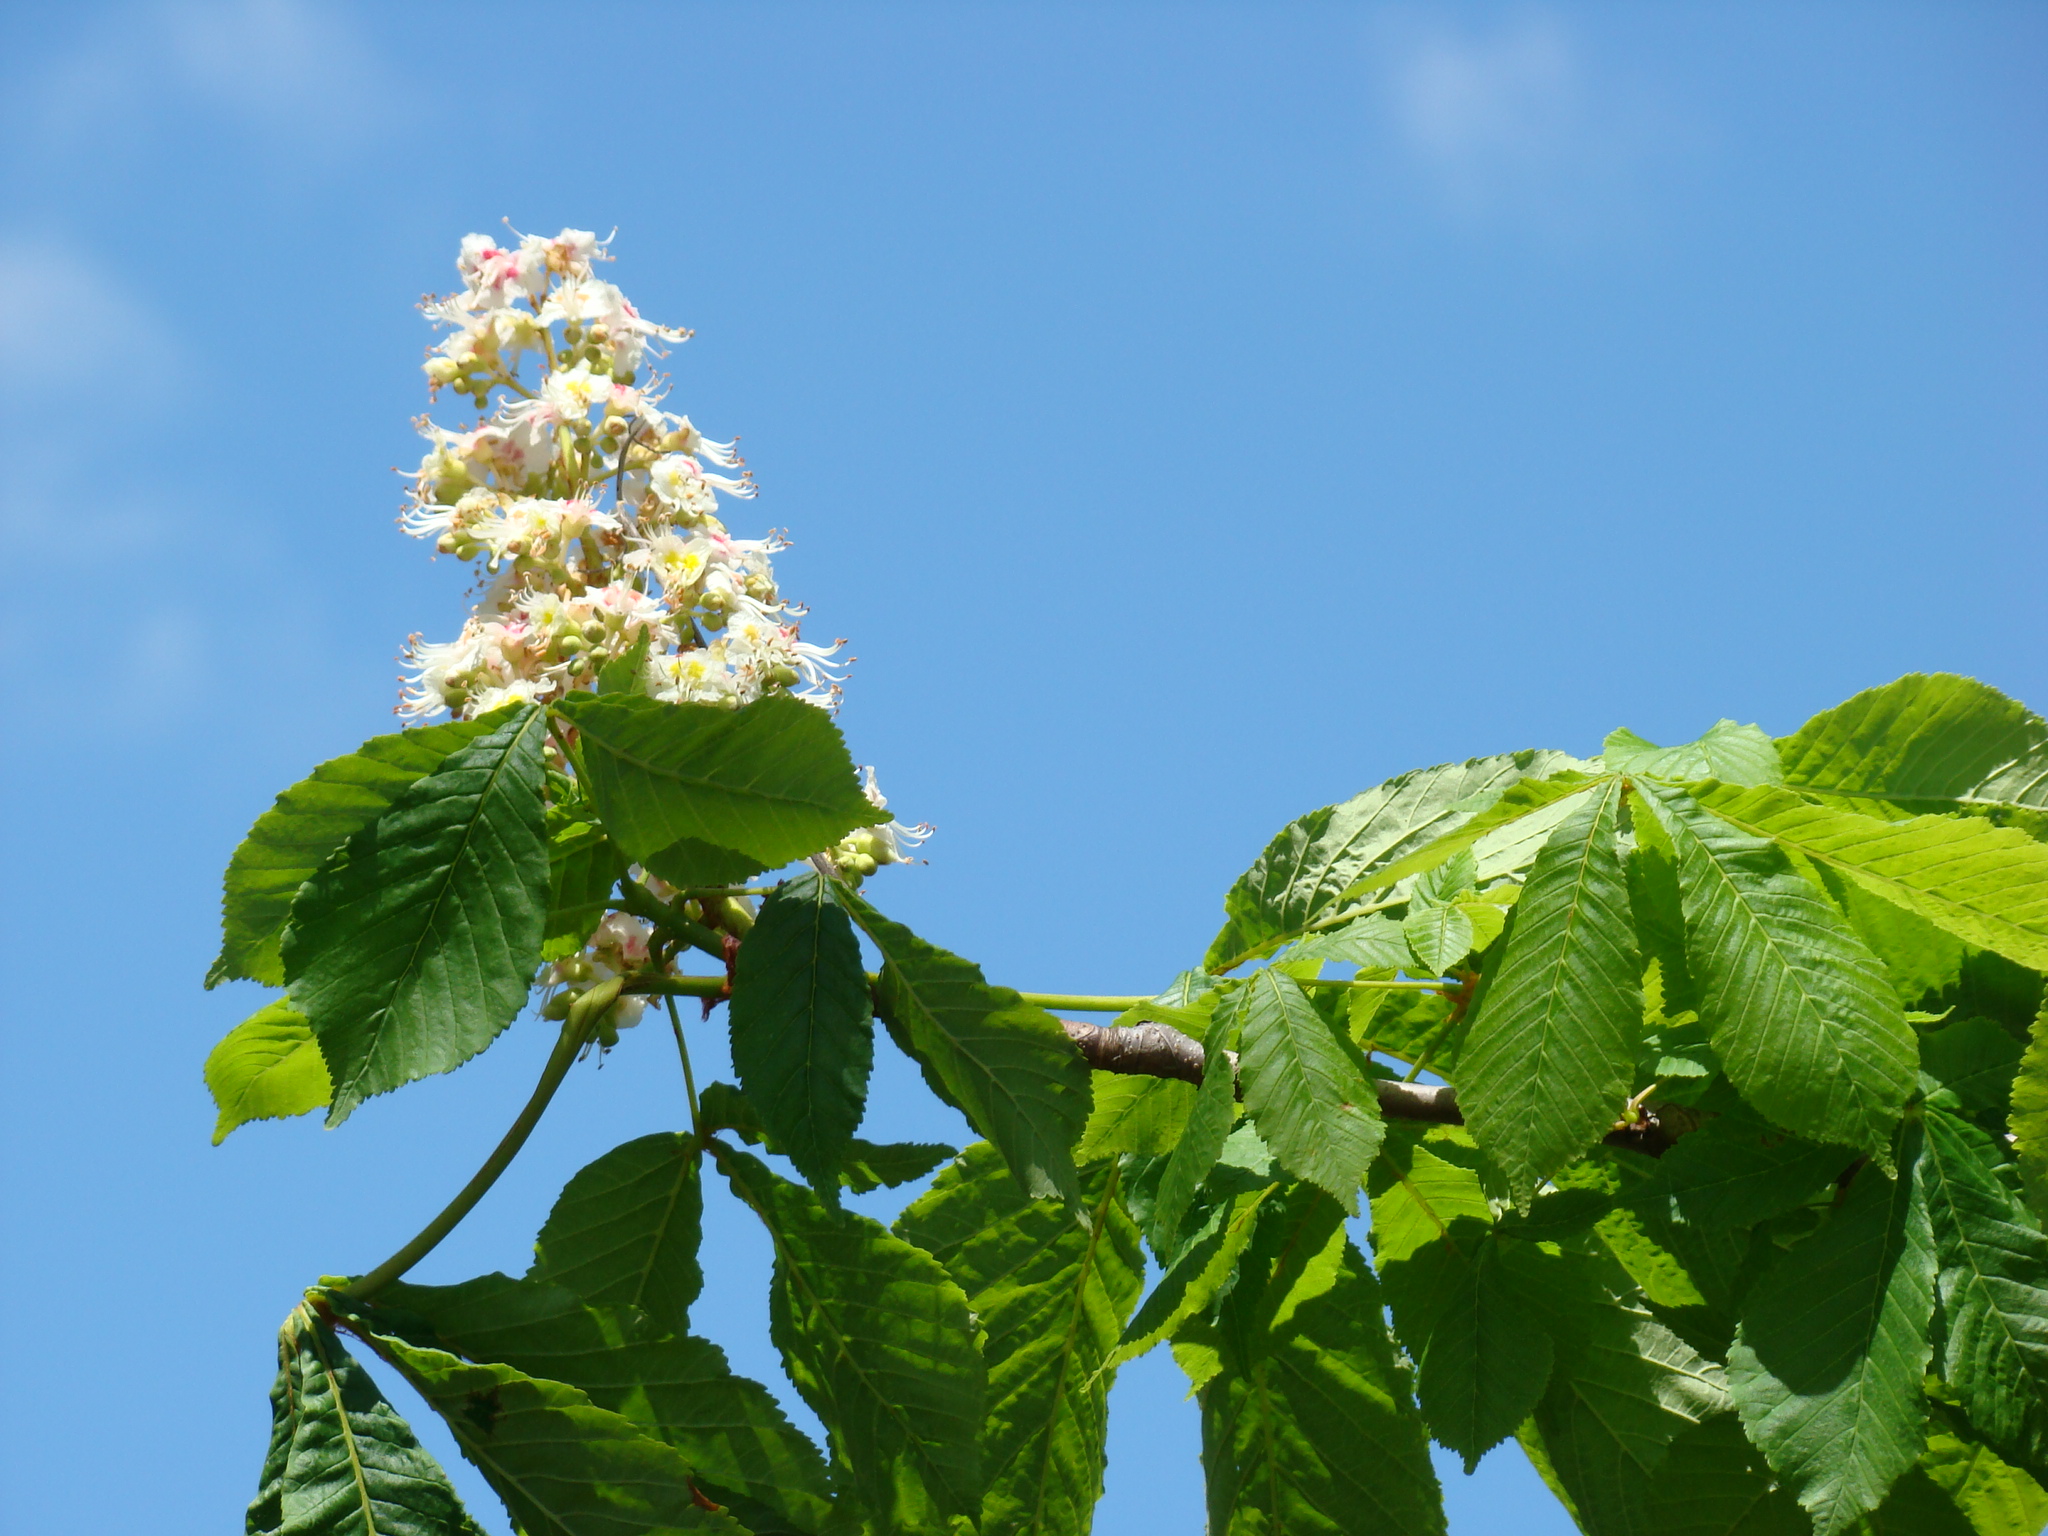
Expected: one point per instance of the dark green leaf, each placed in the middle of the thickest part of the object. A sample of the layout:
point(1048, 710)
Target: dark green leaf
point(865, 1165)
point(1480, 1365)
point(1715, 1483)
point(416, 942)
point(1311, 867)
point(1993, 1285)
point(309, 821)
point(267, 1067)
point(1307, 1426)
point(878, 1339)
point(1051, 1296)
point(625, 1230)
point(1973, 1059)
point(1208, 1124)
point(1008, 1065)
point(771, 781)
point(802, 1028)
point(1304, 1088)
point(1185, 1005)
point(583, 866)
point(1827, 1364)
point(342, 1462)
point(1198, 1271)
point(1546, 1065)
point(1734, 754)
point(1735, 1171)
point(734, 1439)
point(1801, 1012)
point(561, 1463)
point(1925, 738)
point(2029, 1119)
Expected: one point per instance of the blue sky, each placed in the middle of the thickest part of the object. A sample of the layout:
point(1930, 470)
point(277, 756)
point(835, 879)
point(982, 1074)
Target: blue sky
point(1192, 414)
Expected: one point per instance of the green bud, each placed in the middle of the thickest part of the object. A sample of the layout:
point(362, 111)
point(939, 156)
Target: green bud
point(569, 644)
point(557, 1007)
point(575, 968)
point(449, 542)
point(594, 631)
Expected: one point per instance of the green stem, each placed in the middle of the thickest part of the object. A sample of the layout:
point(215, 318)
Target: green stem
point(676, 986)
point(641, 902)
point(689, 1078)
point(563, 1057)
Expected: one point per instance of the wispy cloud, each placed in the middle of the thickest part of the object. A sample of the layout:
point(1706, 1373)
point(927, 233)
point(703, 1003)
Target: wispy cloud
point(1512, 119)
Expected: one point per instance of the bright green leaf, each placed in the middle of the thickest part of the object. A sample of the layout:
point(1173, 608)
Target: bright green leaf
point(1198, 1271)
point(416, 942)
point(1546, 1065)
point(1201, 1141)
point(1423, 1181)
point(1986, 884)
point(1376, 942)
point(309, 821)
point(878, 1339)
point(267, 1067)
point(1144, 1115)
point(2029, 1120)
point(1826, 1366)
point(1801, 1012)
point(1996, 1499)
point(1734, 754)
point(1925, 738)
point(1304, 1088)
point(625, 1230)
point(1051, 1296)
point(342, 1462)
point(1437, 937)
point(1008, 1065)
point(802, 1026)
point(770, 781)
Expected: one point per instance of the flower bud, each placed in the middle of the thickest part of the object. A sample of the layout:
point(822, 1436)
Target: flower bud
point(442, 370)
point(557, 1007)
point(575, 968)
point(594, 630)
point(449, 542)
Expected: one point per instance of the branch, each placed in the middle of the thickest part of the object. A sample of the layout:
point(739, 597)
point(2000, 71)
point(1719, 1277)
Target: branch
point(1157, 1050)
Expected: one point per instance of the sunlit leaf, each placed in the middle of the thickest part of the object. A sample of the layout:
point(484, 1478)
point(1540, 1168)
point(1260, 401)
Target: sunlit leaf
point(268, 1067)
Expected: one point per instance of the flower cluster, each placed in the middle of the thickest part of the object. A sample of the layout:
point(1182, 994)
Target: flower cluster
point(593, 511)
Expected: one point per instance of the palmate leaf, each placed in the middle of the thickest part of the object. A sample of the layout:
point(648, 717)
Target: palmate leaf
point(1985, 884)
point(268, 1067)
point(1307, 1425)
point(1007, 1064)
point(1305, 1089)
point(561, 1463)
point(1826, 1365)
point(1993, 1285)
point(309, 821)
point(1805, 1021)
point(416, 942)
point(1935, 739)
point(1546, 1066)
point(802, 1027)
point(1316, 861)
point(625, 1230)
point(342, 1462)
point(1051, 1296)
point(714, 793)
point(735, 1442)
point(878, 1339)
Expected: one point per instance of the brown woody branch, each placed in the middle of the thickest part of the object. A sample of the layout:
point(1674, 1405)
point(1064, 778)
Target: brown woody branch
point(1157, 1050)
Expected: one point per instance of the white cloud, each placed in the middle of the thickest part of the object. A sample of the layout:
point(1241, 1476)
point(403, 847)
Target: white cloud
point(1511, 120)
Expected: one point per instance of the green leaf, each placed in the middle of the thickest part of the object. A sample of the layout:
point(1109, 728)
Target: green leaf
point(735, 1441)
point(1489, 920)
point(622, 673)
point(1313, 865)
point(561, 1463)
point(1437, 936)
point(1144, 1115)
point(1801, 1012)
point(1051, 1296)
point(1480, 1367)
point(770, 781)
point(1734, 754)
point(865, 1165)
point(1973, 1059)
point(1546, 1065)
point(1201, 1142)
point(878, 1339)
point(342, 1462)
point(625, 1230)
point(1185, 1005)
point(1659, 914)
point(1714, 1483)
point(803, 1034)
point(1827, 1363)
point(416, 942)
point(1308, 1427)
point(267, 1067)
point(1376, 943)
point(1993, 1285)
point(2029, 1119)
point(1994, 1498)
point(1623, 1389)
point(1008, 1065)
point(1922, 960)
point(309, 821)
point(1986, 884)
point(1304, 1089)
point(1735, 1171)
point(1925, 738)
point(1423, 1181)
point(1197, 1273)
point(583, 867)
